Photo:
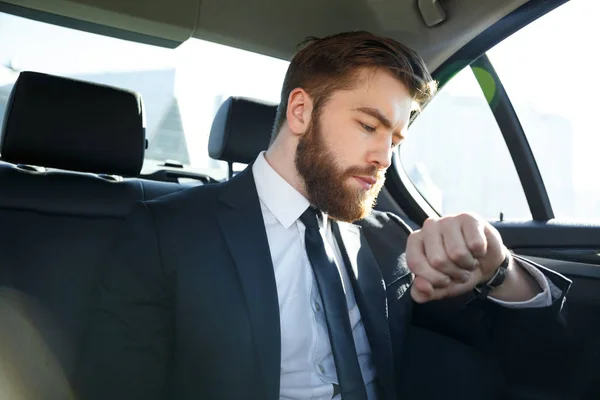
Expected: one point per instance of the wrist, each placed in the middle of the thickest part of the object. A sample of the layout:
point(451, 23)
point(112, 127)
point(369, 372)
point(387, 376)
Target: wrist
point(518, 286)
point(492, 283)
point(509, 276)
point(504, 259)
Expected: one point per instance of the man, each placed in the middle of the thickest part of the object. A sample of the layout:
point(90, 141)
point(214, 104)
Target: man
point(263, 288)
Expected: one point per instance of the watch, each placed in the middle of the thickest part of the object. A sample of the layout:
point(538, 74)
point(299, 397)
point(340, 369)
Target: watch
point(483, 289)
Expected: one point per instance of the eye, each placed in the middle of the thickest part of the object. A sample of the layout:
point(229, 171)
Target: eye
point(397, 142)
point(367, 128)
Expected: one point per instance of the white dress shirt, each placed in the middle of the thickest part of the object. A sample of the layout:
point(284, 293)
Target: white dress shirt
point(307, 365)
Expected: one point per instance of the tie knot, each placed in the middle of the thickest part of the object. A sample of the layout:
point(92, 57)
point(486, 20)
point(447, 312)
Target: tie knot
point(310, 218)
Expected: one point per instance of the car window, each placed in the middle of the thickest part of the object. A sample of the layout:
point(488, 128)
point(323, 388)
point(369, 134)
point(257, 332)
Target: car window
point(455, 154)
point(182, 88)
point(554, 90)
point(456, 157)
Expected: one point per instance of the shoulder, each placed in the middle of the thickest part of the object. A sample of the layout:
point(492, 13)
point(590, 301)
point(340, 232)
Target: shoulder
point(384, 222)
point(386, 234)
point(199, 197)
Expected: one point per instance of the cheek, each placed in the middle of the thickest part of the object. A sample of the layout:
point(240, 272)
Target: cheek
point(346, 152)
point(347, 143)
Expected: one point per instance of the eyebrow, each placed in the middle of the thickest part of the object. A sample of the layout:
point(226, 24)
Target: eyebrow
point(375, 113)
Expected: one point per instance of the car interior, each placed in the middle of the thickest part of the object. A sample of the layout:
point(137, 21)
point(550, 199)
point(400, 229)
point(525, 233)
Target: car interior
point(72, 151)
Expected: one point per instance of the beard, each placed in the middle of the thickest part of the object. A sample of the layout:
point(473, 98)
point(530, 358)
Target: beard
point(325, 182)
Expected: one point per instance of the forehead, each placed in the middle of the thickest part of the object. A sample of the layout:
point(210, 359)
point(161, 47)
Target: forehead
point(380, 90)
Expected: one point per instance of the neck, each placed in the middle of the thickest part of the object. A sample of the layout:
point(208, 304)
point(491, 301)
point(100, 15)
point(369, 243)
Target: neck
point(278, 157)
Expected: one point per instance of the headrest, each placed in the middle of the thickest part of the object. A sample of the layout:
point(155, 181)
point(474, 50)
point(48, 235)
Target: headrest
point(241, 130)
point(64, 123)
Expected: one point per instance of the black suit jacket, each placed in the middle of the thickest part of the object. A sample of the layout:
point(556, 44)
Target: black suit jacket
point(187, 306)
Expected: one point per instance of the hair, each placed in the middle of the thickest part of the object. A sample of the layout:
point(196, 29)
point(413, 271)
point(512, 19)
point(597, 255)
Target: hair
point(323, 66)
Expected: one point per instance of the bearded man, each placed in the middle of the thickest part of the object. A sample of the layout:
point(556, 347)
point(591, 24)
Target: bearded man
point(283, 283)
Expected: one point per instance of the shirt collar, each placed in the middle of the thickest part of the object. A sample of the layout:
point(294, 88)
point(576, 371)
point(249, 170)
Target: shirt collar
point(281, 198)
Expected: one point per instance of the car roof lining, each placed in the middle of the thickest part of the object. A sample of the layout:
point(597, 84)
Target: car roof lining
point(270, 28)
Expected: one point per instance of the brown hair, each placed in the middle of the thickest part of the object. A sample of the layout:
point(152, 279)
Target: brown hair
point(323, 66)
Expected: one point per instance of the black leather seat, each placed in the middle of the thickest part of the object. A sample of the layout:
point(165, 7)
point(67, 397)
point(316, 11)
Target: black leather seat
point(66, 146)
point(241, 130)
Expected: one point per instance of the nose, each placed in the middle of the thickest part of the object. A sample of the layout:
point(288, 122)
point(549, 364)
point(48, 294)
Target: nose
point(381, 154)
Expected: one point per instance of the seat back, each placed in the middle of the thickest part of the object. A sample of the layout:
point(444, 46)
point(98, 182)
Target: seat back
point(241, 130)
point(66, 146)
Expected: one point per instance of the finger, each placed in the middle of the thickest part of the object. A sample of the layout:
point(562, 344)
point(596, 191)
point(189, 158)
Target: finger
point(421, 290)
point(437, 258)
point(473, 232)
point(457, 289)
point(418, 264)
point(456, 246)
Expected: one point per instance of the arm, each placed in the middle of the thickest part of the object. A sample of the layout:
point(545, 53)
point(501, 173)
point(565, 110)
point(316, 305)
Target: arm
point(128, 343)
point(544, 290)
point(530, 343)
point(520, 286)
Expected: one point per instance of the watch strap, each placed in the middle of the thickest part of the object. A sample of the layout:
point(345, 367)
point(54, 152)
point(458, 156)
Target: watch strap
point(483, 289)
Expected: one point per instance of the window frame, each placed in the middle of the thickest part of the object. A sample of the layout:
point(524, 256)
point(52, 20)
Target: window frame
point(517, 143)
point(472, 55)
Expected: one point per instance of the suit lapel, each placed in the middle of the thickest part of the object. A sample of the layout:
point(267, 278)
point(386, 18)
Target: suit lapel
point(243, 228)
point(369, 290)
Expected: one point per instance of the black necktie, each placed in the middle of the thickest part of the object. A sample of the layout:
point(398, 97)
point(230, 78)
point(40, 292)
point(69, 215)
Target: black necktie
point(329, 283)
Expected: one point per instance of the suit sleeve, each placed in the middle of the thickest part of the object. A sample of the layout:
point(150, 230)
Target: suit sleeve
point(531, 345)
point(128, 343)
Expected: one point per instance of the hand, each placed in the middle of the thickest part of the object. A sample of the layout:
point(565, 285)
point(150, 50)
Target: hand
point(451, 255)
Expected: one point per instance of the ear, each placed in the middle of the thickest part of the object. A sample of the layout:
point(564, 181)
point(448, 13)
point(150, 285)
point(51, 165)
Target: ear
point(299, 111)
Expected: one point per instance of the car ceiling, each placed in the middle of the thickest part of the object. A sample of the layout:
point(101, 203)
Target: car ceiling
point(274, 27)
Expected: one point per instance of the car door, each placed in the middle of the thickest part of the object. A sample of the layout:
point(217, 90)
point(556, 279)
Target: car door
point(513, 136)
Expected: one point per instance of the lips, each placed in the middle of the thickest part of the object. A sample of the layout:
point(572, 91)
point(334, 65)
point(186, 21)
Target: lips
point(366, 181)
point(369, 179)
